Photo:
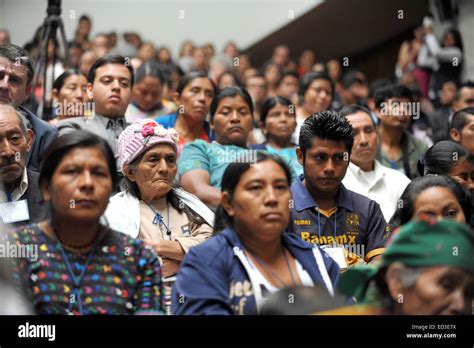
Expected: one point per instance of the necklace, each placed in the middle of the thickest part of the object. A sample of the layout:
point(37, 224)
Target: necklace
point(76, 246)
point(76, 280)
point(158, 219)
point(276, 276)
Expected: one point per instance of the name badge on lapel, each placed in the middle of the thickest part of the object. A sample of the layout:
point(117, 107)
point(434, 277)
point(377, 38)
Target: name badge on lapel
point(185, 230)
point(337, 253)
point(12, 212)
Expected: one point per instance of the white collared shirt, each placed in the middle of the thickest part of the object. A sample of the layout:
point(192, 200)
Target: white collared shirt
point(18, 192)
point(384, 185)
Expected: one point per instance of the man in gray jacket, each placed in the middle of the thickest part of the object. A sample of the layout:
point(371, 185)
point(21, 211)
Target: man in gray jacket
point(16, 75)
point(110, 87)
point(20, 197)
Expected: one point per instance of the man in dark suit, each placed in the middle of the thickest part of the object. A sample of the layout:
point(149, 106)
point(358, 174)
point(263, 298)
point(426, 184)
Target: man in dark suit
point(16, 75)
point(20, 197)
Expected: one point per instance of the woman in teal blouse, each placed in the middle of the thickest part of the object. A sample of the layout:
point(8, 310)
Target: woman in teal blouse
point(278, 122)
point(201, 164)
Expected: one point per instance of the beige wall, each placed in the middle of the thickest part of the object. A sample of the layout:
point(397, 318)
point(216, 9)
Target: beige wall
point(218, 21)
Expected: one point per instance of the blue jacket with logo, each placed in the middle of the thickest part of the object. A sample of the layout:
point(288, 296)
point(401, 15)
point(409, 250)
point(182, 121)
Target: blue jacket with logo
point(357, 223)
point(213, 278)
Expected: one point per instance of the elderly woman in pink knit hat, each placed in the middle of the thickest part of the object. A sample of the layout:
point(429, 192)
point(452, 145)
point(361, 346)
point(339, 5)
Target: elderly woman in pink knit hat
point(149, 208)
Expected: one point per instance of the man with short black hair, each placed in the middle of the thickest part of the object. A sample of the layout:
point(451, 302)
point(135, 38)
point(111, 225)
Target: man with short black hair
point(462, 128)
point(16, 75)
point(287, 86)
point(464, 96)
point(323, 211)
point(398, 149)
point(355, 88)
point(110, 87)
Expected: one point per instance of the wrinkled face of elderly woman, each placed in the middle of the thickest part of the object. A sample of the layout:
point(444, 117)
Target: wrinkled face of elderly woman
point(438, 290)
point(80, 186)
point(154, 171)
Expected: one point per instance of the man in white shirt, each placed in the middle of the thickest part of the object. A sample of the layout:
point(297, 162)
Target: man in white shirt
point(365, 174)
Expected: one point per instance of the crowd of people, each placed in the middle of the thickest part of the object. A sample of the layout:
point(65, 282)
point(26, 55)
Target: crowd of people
point(206, 185)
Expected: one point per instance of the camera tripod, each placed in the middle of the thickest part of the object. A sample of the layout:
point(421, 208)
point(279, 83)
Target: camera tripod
point(48, 32)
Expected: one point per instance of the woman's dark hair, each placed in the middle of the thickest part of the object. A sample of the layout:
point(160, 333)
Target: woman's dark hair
point(460, 118)
point(457, 38)
point(237, 81)
point(188, 78)
point(353, 77)
point(230, 180)
point(127, 185)
point(59, 82)
point(406, 204)
point(269, 64)
point(56, 53)
point(66, 143)
point(75, 44)
point(292, 73)
point(85, 18)
point(168, 70)
point(150, 68)
point(269, 103)
point(326, 125)
point(442, 157)
point(308, 79)
point(386, 92)
point(376, 84)
point(230, 92)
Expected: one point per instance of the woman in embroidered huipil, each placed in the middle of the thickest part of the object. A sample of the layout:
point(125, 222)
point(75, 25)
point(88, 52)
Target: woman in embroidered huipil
point(79, 265)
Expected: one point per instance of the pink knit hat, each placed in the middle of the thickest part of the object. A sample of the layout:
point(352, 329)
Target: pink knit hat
point(142, 135)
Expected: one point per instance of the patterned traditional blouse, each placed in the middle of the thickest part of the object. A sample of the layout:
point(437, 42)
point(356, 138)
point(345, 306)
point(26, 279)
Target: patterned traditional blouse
point(123, 275)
